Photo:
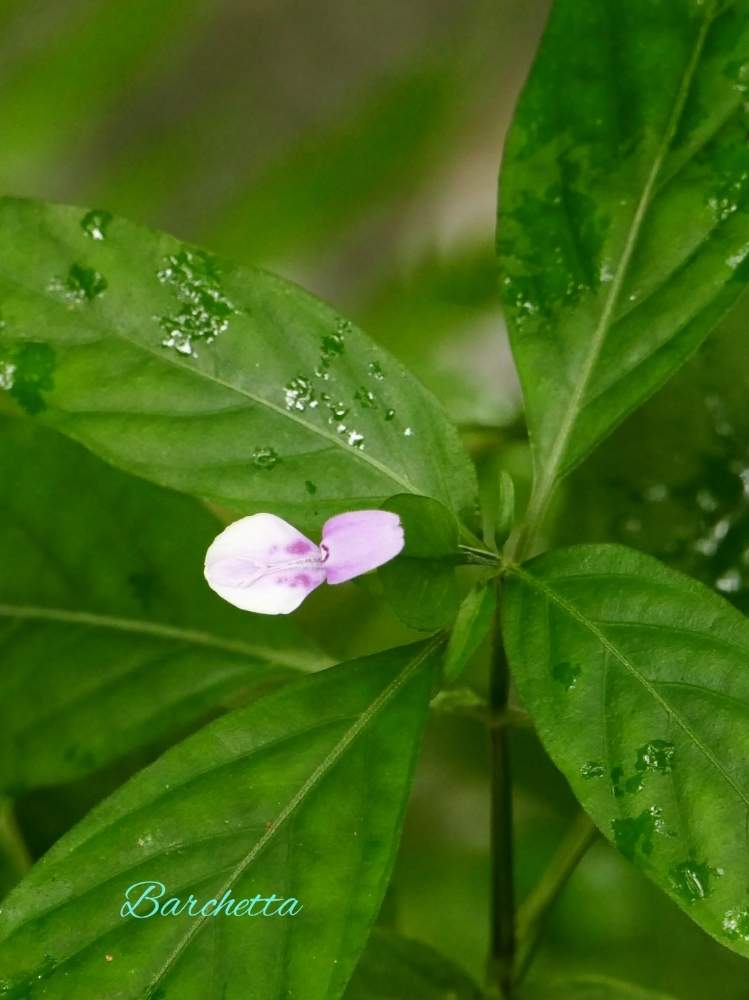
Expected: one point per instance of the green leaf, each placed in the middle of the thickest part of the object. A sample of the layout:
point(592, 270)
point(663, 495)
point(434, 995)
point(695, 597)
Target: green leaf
point(505, 513)
point(111, 640)
point(589, 988)
point(217, 380)
point(638, 681)
point(300, 795)
point(675, 480)
point(420, 583)
point(623, 220)
point(471, 627)
point(394, 968)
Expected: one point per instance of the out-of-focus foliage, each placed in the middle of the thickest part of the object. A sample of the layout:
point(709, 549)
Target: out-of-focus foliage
point(273, 129)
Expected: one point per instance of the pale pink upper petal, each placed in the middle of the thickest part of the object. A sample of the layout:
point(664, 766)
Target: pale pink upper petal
point(359, 541)
point(262, 563)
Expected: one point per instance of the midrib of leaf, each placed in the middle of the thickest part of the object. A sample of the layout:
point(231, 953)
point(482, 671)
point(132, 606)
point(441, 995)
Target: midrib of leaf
point(358, 453)
point(326, 765)
point(651, 689)
point(547, 478)
point(154, 629)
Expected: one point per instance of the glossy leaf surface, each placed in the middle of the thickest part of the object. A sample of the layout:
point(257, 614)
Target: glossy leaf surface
point(638, 681)
point(217, 380)
point(624, 221)
point(300, 795)
point(110, 637)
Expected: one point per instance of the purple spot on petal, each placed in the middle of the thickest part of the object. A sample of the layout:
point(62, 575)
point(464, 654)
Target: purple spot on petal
point(299, 547)
point(301, 580)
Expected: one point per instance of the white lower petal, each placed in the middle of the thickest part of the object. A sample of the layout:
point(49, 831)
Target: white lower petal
point(262, 563)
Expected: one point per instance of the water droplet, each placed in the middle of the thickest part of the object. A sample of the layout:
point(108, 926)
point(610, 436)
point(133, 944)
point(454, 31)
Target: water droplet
point(365, 398)
point(82, 284)
point(310, 488)
point(566, 674)
point(657, 755)
point(205, 313)
point(389, 414)
point(635, 834)
point(736, 923)
point(95, 224)
point(355, 439)
point(620, 787)
point(299, 393)
point(592, 769)
point(692, 880)
point(375, 370)
point(265, 458)
point(408, 432)
point(26, 373)
point(337, 411)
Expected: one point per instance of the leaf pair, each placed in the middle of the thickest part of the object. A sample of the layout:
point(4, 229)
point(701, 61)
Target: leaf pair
point(623, 235)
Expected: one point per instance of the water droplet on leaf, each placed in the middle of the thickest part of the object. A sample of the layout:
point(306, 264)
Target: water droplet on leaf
point(26, 373)
point(95, 224)
point(566, 674)
point(692, 880)
point(265, 458)
point(82, 284)
point(195, 278)
point(592, 769)
point(635, 834)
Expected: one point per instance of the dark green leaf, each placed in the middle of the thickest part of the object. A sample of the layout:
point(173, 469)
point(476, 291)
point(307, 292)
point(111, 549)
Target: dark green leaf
point(111, 639)
point(420, 583)
point(396, 968)
point(299, 795)
point(638, 681)
point(471, 627)
point(589, 988)
point(624, 221)
point(218, 380)
point(675, 481)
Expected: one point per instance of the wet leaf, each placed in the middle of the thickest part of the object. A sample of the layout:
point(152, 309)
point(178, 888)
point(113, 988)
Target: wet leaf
point(637, 679)
point(111, 640)
point(624, 217)
point(217, 380)
point(300, 795)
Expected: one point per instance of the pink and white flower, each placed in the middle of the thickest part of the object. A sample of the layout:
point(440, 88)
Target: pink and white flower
point(262, 563)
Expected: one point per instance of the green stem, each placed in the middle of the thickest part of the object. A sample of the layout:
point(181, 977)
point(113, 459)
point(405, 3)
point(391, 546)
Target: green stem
point(502, 931)
point(535, 909)
point(12, 845)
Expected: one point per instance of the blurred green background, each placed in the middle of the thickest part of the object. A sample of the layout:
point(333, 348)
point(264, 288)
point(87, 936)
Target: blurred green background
point(354, 148)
